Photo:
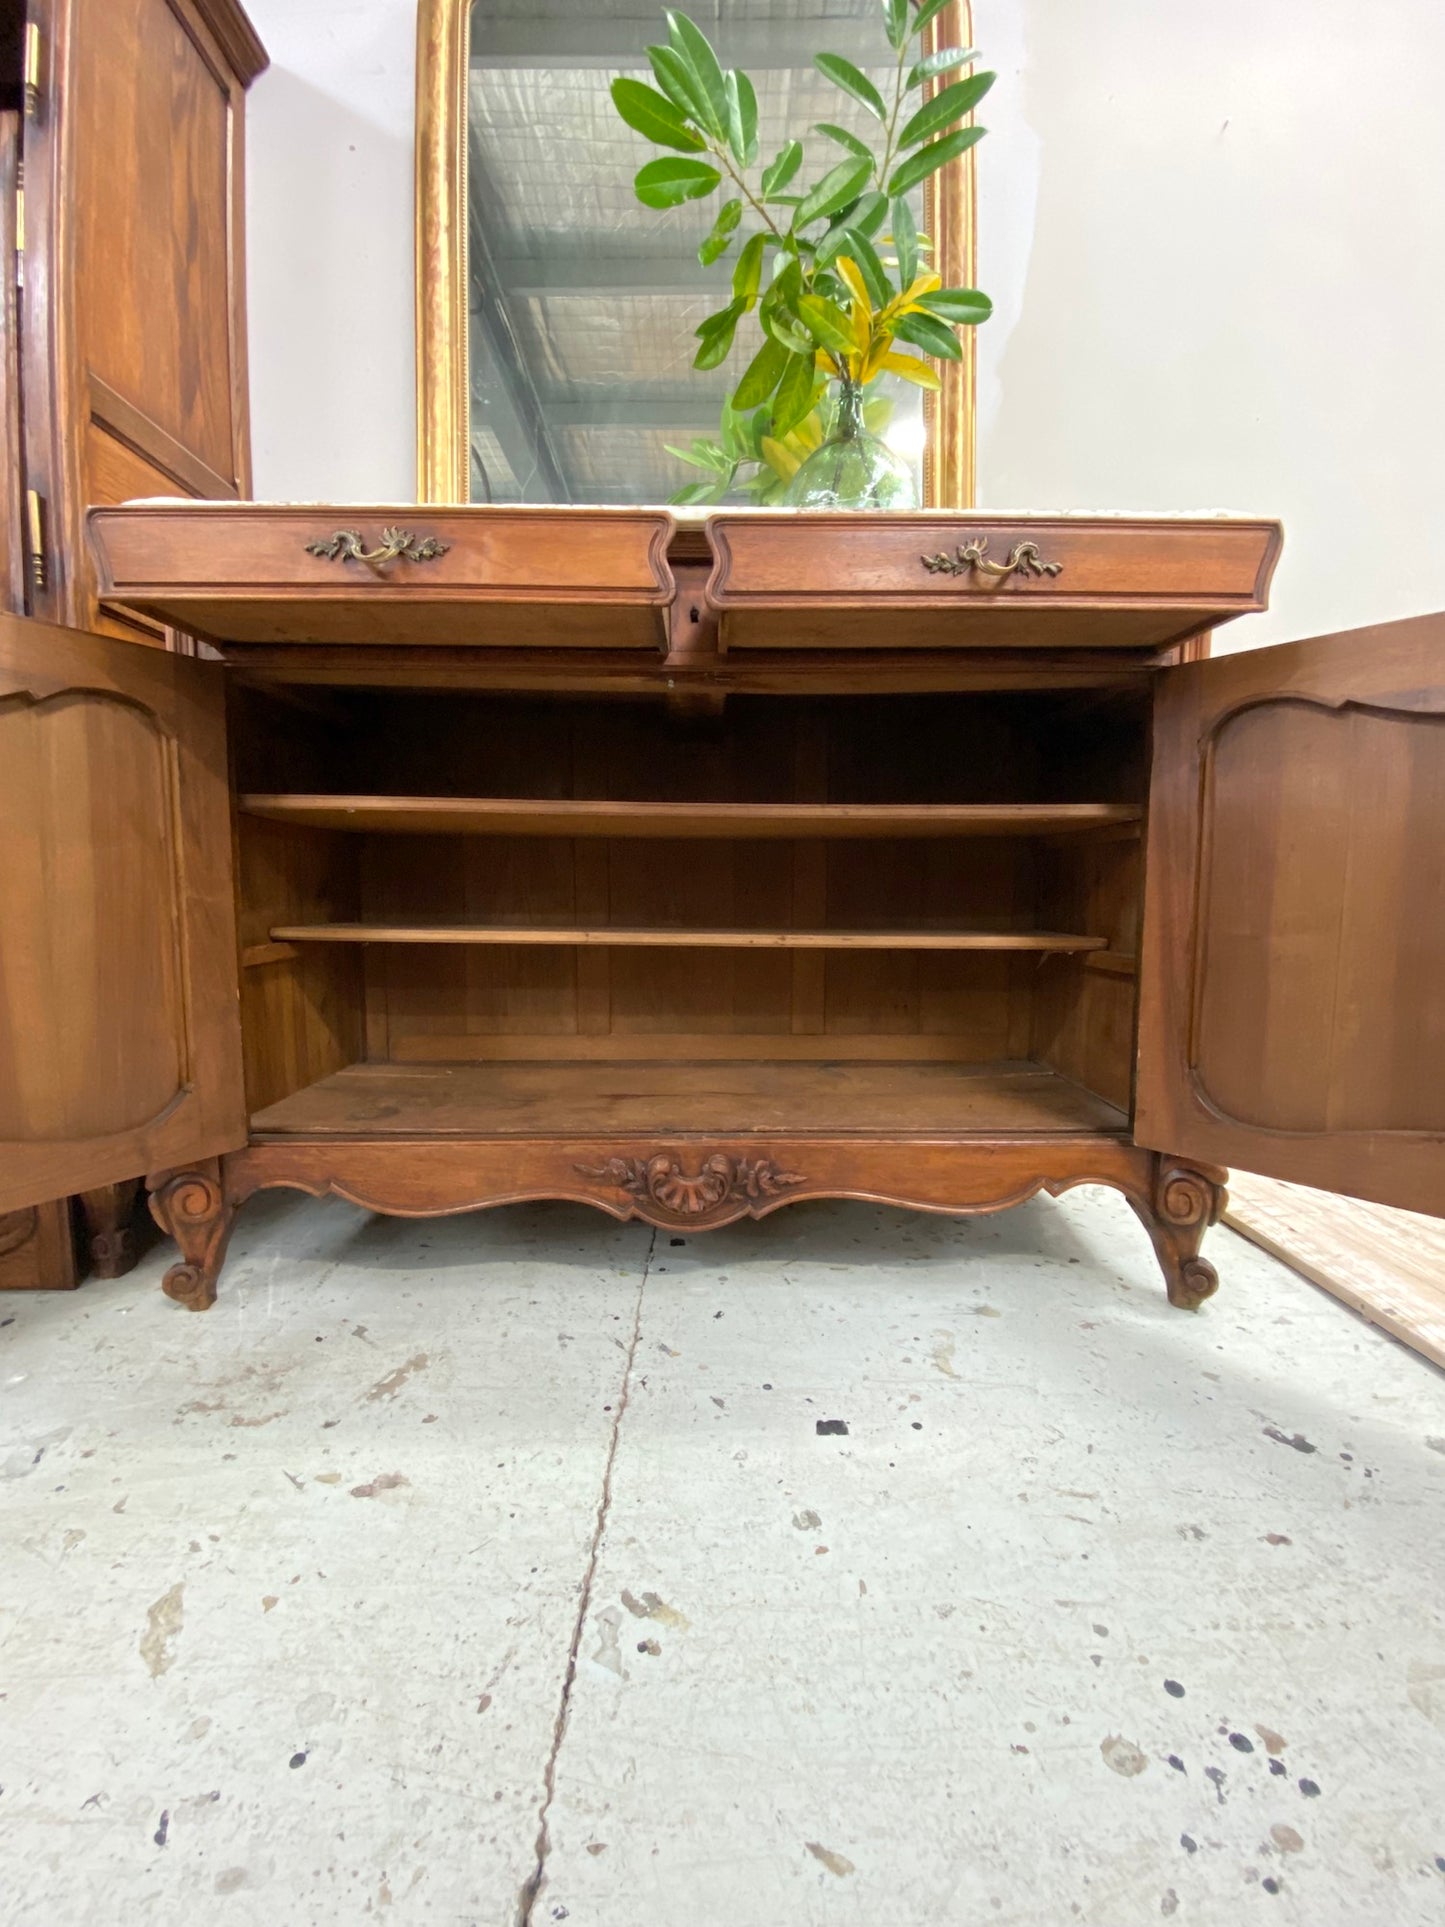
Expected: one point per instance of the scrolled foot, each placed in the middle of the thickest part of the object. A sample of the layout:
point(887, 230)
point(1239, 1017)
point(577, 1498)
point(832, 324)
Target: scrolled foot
point(192, 1206)
point(189, 1286)
point(111, 1240)
point(1185, 1200)
point(1193, 1282)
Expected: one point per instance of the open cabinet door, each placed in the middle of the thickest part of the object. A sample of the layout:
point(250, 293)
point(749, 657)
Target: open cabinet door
point(1292, 1014)
point(120, 1047)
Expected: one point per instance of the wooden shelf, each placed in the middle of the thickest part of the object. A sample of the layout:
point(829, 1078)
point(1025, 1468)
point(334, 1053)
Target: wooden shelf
point(526, 816)
point(653, 939)
point(585, 1099)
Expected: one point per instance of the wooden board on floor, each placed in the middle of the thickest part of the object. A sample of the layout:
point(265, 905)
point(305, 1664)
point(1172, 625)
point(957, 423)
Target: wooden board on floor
point(1388, 1265)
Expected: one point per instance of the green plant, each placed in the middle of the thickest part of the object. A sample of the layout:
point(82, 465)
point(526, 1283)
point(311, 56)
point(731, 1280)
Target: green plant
point(827, 301)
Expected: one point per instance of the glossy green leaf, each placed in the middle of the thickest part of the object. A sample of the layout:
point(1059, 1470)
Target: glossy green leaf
point(857, 247)
point(722, 318)
point(667, 183)
point(652, 114)
point(785, 329)
point(827, 323)
point(965, 307)
point(680, 84)
point(868, 213)
point(927, 13)
point(905, 242)
point(844, 74)
point(723, 229)
point(748, 273)
point(943, 62)
point(743, 111)
point(895, 19)
point(830, 245)
point(703, 454)
point(919, 166)
point(695, 494)
point(838, 187)
point(945, 108)
point(693, 47)
point(844, 139)
point(782, 170)
point(797, 395)
point(929, 335)
point(716, 337)
point(763, 374)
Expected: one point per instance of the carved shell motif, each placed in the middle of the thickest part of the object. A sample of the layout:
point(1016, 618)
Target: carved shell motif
point(721, 1179)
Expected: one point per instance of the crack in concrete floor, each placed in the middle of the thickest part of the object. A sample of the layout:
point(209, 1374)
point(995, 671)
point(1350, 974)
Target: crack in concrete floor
point(532, 1888)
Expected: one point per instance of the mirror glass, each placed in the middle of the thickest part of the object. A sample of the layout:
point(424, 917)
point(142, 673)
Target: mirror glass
point(583, 302)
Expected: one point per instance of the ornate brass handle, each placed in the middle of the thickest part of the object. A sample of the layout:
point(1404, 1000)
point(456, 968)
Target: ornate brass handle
point(1024, 559)
point(346, 546)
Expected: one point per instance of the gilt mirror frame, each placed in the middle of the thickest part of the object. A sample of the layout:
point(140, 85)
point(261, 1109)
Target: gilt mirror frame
point(442, 307)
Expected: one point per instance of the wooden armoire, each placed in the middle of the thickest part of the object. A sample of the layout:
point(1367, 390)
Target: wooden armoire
point(122, 340)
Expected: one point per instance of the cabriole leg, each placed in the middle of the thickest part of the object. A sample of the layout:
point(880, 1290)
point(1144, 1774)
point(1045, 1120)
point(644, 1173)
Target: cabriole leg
point(1185, 1200)
point(192, 1207)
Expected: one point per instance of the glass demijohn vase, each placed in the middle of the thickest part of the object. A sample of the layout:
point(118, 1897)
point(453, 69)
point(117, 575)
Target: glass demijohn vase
point(852, 468)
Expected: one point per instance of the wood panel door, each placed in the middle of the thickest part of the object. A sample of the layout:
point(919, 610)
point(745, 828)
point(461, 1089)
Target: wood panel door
point(120, 1046)
point(134, 344)
point(1292, 1016)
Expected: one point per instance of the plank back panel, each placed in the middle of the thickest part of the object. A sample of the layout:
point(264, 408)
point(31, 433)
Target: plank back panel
point(432, 1003)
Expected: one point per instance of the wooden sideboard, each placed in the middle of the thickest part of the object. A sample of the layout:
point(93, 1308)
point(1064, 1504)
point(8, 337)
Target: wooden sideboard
point(692, 871)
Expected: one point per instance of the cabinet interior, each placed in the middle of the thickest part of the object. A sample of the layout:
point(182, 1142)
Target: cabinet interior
point(910, 949)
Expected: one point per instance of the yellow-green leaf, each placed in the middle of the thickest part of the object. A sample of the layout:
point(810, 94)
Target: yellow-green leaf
point(781, 460)
point(918, 372)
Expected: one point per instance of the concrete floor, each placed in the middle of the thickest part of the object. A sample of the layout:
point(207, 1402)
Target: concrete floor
point(436, 1547)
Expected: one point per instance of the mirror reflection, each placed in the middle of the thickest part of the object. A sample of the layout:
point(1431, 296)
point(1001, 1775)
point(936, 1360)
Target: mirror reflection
point(582, 302)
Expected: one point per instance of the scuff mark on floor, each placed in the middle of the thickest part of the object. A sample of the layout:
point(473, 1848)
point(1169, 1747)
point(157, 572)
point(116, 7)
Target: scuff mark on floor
point(163, 1624)
point(1299, 1442)
point(609, 1653)
point(1425, 1690)
point(651, 1607)
point(836, 1863)
point(1123, 1756)
point(388, 1387)
point(385, 1482)
point(941, 1357)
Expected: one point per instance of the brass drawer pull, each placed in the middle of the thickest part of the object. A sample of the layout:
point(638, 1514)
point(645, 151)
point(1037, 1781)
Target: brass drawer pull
point(346, 546)
point(1024, 558)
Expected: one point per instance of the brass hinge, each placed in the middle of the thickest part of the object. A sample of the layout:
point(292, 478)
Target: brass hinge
point(35, 539)
point(32, 68)
point(20, 235)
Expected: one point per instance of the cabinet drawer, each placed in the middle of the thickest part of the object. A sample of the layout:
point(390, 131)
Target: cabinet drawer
point(931, 581)
point(242, 572)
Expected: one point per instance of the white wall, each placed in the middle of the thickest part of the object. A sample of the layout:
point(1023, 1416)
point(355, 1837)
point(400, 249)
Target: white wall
point(1212, 232)
point(1216, 236)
